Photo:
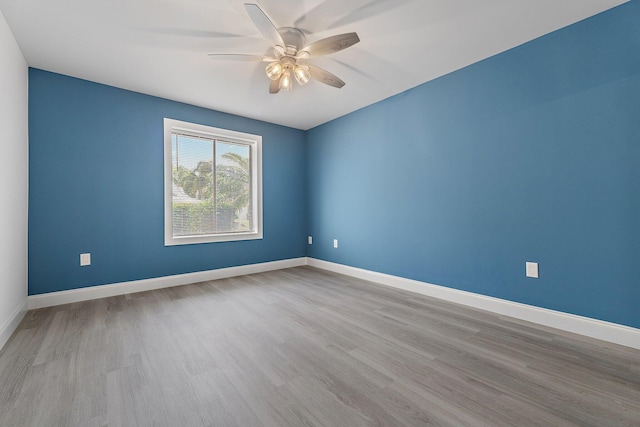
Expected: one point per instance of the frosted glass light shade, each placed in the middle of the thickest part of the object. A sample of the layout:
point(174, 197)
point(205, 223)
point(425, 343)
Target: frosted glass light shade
point(301, 73)
point(274, 70)
point(285, 81)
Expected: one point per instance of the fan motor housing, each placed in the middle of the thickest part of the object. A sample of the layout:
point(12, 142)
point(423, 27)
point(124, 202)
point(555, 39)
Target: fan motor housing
point(293, 38)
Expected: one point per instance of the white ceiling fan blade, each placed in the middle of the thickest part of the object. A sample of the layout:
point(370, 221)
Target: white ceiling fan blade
point(264, 24)
point(274, 86)
point(331, 44)
point(241, 57)
point(323, 76)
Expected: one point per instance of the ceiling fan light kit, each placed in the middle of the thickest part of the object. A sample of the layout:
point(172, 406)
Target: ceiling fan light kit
point(289, 48)
point(282, 68)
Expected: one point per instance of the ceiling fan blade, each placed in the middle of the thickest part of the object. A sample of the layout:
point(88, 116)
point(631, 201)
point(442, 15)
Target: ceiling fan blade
point(323, 76)
point(264, 24)
point(331, 44)
point(274, 86)
point(241, 57)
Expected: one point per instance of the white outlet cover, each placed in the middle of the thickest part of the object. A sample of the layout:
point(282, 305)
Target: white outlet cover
point(335, 243)
point(310, 240)
point(532, 269)
point(85, 259)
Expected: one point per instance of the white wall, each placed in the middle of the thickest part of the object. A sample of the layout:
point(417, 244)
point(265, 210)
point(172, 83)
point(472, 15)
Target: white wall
point(14, 180)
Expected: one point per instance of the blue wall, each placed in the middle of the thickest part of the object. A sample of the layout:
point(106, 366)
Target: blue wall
point(96, 185)
point(531, 155)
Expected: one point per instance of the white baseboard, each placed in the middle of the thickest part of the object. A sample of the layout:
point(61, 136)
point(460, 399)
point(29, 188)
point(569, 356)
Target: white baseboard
point(102, 291)
point(12, 323)
point(598, 329)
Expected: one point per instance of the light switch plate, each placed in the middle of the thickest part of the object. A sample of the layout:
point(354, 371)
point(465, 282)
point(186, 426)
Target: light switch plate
point(532, 269)
point(85, 259)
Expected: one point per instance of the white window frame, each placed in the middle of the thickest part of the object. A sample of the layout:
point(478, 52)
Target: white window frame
point(254, 142)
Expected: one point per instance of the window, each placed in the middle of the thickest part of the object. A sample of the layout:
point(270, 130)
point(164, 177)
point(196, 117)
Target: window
point(212, 184)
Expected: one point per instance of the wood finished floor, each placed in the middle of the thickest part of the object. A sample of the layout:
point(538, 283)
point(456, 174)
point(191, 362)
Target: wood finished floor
point(303, 347)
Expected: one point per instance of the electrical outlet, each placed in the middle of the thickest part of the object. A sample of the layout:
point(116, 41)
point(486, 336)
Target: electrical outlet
point(532, 269)
point(335, 243)
point(85, 259)
point(310, 240)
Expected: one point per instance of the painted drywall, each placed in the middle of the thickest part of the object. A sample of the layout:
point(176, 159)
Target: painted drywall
point(96, 185)
point(14, 178)
point(531, 155)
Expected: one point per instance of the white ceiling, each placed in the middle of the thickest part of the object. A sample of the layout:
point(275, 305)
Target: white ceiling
point(159, 47)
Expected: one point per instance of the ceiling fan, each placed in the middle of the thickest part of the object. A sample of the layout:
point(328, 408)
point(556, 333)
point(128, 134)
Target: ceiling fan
point(289, 52)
